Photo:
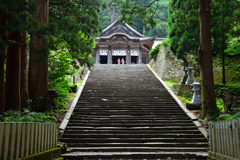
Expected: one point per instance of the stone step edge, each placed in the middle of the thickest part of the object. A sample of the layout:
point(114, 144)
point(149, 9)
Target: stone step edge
point(132, 153)
point(65, 121)
point(190, 115)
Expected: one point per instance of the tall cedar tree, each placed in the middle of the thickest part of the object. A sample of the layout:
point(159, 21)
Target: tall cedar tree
point(204, 51)
point(73, 34)
point(2, 62)
point(38, 58)
point(183, 32)
point(13, 23)
point(208, 105)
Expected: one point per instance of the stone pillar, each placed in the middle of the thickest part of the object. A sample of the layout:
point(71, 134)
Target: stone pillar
point(109, 55)
point(140, 56)
point(97, 56)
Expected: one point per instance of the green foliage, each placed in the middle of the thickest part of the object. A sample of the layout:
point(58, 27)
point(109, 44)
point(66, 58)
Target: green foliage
point(25, 116)
point(234, 48)
point(138, 14)
point(170, 83)
point(62, 87)
point(220, 104)
point(234, 88)
point(154, 52)
point(183, 32)
point(187, 95)
point(228, 117)
point(214, 114)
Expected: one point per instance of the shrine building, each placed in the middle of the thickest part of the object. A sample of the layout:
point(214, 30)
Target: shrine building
point(119, 40)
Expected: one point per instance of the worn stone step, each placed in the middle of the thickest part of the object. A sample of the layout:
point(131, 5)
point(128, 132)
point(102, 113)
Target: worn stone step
point(70, 130)
point(131, 140)
point(127, 117)
point(138, 149)
point(128, 124)
point(129, 113)
point(143, 128)
point(134, 155)
point(150, 108)
point(107, 121)
point(149, 144)
point(135, 135)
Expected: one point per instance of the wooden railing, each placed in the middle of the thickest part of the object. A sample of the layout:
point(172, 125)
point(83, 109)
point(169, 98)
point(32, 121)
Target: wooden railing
point(224, 139)
point(22, 139)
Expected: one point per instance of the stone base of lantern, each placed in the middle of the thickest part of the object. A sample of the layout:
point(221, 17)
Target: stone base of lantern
point(193, 106)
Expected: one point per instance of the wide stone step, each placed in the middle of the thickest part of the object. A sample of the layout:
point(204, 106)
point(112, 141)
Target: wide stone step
point(129, 124)
point(75, 131)
point(166, 113)
point(131, 140)
point(135, 135)
point(150, 108)
point(128, 117)
point(138, 149)
point(134, 155)
point(148, 144)
point(107, 121)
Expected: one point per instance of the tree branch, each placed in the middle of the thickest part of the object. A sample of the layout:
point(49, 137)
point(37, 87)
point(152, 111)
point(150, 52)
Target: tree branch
point(51, 2)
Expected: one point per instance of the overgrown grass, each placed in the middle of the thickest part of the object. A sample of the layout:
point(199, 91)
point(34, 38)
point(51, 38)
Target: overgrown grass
point(170, 83)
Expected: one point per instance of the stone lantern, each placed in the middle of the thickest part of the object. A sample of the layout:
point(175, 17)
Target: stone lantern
point(196, 97)
point(189, 79)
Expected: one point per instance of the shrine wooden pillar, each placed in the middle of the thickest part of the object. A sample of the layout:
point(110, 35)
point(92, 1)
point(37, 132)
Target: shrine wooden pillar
point(128, 60)
point(109, 55)
point(97, 56)
point(140, 55)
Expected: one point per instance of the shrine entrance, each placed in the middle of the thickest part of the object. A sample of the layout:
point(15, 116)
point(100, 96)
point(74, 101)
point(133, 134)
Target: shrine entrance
point(134, 59)
point(115, 58)
point(103, 59)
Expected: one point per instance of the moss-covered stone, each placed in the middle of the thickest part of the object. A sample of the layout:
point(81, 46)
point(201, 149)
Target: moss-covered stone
point(46, 155)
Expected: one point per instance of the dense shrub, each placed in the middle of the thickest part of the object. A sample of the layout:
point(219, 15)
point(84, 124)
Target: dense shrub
point(235, 115)
point(25, 116)
point(154, 52)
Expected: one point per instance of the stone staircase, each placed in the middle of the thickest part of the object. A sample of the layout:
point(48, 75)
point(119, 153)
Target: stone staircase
point(124, 112)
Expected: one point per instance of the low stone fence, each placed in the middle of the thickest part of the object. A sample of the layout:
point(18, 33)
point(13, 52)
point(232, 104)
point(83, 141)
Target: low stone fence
point(224, 140)
point(22, 139)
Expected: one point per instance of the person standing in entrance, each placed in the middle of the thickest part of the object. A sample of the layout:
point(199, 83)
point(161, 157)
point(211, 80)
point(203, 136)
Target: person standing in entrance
point(122, 61)
point(118, 60)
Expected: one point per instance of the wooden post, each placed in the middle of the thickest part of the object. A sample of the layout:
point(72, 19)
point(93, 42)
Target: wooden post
point(230, 138)
point(1, 139)
point(214, 139)
point(6, 141)
point(18, 140)
point(36, 137)
point(32, 138)
point(13, 130)
point(23, 141)
point(39, 137)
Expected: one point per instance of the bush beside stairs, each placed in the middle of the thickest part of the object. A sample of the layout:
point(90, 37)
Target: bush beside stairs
point(124, 112)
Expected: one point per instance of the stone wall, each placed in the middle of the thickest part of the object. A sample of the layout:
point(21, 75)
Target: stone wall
point(167, 66)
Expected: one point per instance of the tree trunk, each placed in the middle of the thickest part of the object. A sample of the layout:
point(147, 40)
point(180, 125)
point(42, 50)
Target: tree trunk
point(223, 54)
point(2, 62)
point(12, 88)
point(24, 73)
point(205, 60)
point(38, 71)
